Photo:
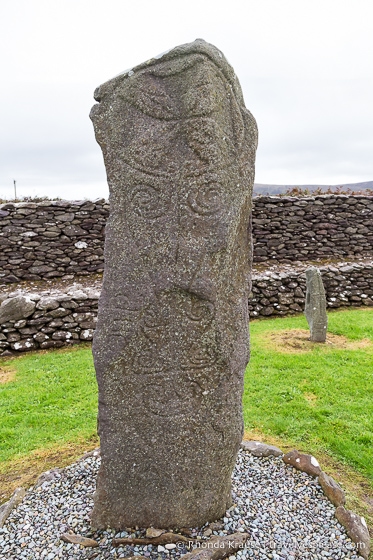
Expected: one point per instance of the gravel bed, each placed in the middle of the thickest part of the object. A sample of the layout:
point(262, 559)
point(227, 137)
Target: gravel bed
point(283, 510)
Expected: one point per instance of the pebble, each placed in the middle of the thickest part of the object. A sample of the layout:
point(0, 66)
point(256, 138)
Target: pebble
point(284, 511)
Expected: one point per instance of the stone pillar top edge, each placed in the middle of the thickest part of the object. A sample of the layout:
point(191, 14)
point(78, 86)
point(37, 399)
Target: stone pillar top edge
point(199, 46)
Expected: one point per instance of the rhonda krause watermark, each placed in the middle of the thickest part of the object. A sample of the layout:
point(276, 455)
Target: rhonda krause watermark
point(214, 544)
point(236, 545)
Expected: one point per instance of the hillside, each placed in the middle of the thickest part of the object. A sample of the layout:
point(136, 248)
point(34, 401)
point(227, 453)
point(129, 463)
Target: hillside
point(260, 188)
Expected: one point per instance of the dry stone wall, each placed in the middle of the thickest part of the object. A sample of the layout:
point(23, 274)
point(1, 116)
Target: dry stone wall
point(51, 239)
point(283, 293)
point(51, 319)
point(288, 229)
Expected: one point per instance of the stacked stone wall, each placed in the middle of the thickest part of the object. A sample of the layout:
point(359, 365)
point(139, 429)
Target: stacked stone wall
point(52, 239)
point(49, 240)
point(287, 229)
point(31, 320)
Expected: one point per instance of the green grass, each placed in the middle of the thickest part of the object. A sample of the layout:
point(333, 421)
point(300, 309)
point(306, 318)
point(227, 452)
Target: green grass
point(320, 399)
point(53, 400)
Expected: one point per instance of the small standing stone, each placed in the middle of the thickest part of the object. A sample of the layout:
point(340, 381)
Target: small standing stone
point(315, 308)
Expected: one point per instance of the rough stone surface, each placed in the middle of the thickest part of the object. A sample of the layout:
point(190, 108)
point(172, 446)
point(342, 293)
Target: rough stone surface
point(151, 532)
point(280, 290)
point(25, 345)
point(315, 308)
point(47, 303)
point(303, 462)
point(260, 449)
point(356, 528)
point(16, 308)
point(332, 490)
point(171, 343)
point(288, 229)
point(163, 539)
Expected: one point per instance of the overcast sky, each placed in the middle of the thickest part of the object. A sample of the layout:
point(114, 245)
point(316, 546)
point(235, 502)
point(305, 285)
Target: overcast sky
point(305, 67)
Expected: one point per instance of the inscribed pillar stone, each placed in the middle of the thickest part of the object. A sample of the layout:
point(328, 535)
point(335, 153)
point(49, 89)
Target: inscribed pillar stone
point(315, 308)
point(171, 343)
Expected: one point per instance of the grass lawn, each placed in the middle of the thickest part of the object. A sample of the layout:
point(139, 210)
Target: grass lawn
point(52, 400)
point(317, 396)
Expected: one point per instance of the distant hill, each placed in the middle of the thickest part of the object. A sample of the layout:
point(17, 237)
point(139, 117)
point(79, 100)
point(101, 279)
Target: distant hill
point(260, 189)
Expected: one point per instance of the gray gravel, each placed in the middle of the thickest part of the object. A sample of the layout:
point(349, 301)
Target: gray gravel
point(284, 511)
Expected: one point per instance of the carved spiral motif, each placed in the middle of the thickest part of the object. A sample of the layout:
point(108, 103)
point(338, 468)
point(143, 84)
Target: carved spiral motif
point(200, 309)
point(206, 200)
point(199, 357)
point(148, 202)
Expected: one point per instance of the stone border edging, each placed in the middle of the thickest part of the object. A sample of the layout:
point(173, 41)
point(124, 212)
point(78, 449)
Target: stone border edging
point(19, 493)
point(354, 524)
